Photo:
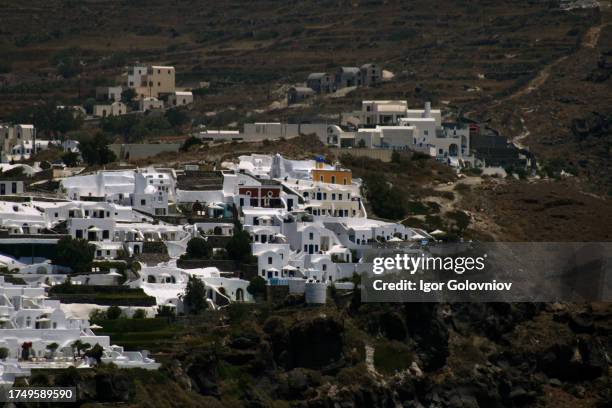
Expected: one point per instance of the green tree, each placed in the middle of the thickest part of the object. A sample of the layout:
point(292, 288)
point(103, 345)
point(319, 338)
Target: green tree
point(48, 119)
point(198, 248)
point(195, 295)
point(96, 352)
point(192, 141)
point(52, 347)
point(166, 311)
point(257, 286)
point(386, 201)
point(462, 219)
point(70, 159)
point(79, 346)
point(127, 95)
point(95, 150)
point(239, 246)
point(113, 312)
point(77, 254)
point(177, 117)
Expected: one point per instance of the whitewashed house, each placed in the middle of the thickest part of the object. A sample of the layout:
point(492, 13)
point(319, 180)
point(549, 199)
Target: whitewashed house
point(180, 98)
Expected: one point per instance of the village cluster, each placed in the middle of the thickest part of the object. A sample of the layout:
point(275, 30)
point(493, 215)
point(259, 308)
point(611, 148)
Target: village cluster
point(307, 225)
point(322, 83)
point(144, 88)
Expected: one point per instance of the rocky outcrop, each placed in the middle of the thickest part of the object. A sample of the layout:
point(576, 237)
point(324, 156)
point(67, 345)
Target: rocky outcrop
point(314, 343)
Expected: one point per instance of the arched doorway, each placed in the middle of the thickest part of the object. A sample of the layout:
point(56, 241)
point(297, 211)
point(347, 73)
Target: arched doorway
point(239, 295)
point(197, 208)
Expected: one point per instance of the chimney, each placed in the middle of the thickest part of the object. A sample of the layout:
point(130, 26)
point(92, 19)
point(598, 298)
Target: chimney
point(427, 112)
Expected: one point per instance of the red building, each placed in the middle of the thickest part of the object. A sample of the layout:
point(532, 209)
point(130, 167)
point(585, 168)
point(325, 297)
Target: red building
point(266, 196)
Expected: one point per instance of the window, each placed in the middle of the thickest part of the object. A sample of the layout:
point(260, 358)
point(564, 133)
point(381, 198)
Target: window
point(344, 181)
point(2, 189)
point(105, 234)
point(143, 202)
point(339, 196)
point(333, 196)
point(14, 188)
point(333, 179)
point(311, 236)
point(269, 260)
point(324, 267)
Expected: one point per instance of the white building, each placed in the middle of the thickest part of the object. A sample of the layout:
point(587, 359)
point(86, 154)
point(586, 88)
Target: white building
point(14, 135)
point(147, 190)
point(382, 112)
point(11, 187)
point(167, 284)
point(113, 109)
point(180, 98)
point(30, 324)
point(150, 103)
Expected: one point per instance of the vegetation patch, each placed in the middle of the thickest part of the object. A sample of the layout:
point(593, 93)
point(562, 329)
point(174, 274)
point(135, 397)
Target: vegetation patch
point(392, 356)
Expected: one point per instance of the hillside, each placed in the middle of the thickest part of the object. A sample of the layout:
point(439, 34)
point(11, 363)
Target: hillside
point(438, 50)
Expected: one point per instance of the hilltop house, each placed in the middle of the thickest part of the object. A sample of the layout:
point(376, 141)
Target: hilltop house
point(113, 109)
point(150, 103)
point(152, 80)
point(347, 77)
point(15, 135)
point(297, 94)
point(320, 82)
point(109, 93)
point(383, 112)
point(371, 74)
point(180, 98)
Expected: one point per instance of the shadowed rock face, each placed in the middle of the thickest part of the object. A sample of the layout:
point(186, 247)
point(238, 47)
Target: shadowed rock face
point(314, 343)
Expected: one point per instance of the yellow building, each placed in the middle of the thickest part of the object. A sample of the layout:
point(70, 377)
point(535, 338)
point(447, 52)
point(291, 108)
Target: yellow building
point(152, 81)
point(337, 175)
